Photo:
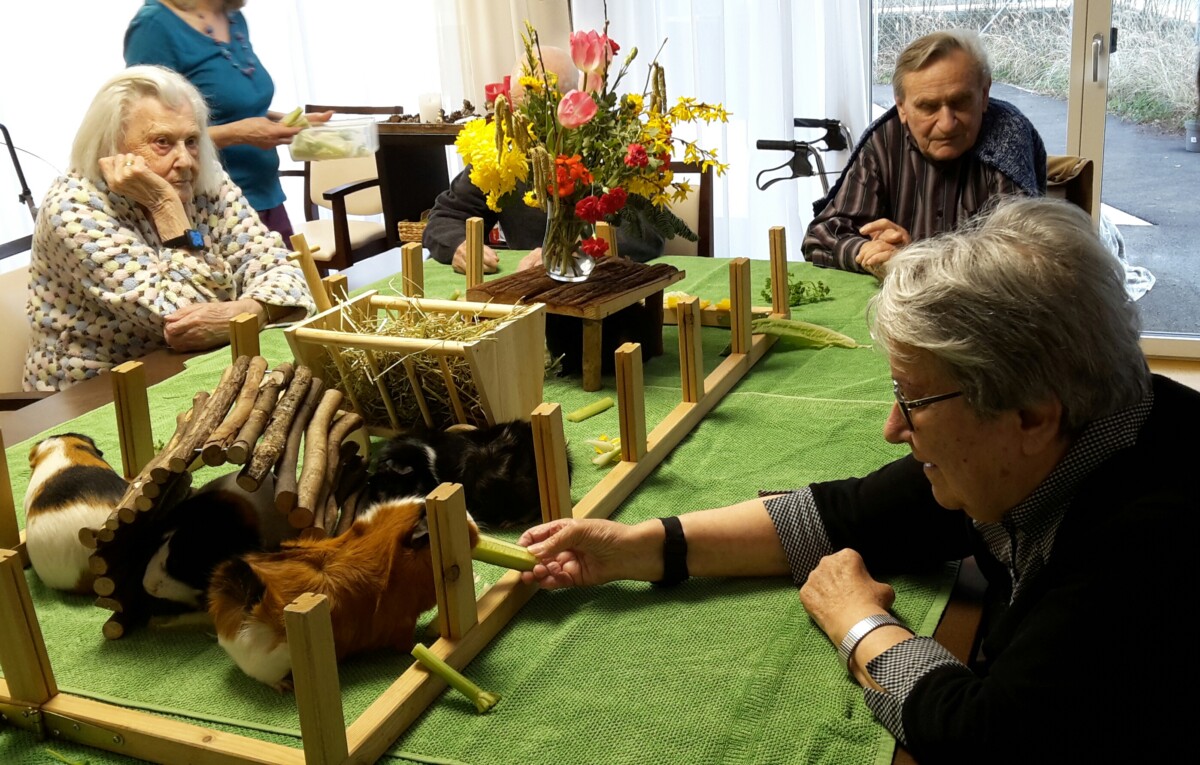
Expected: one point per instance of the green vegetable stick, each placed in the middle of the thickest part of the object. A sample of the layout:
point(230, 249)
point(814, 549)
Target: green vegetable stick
point(482, 700)
point(501, 553)
point(581, 414)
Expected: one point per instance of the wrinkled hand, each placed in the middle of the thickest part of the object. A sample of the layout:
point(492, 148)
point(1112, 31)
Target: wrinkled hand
point(884, 230)
point(130, 176)
point(318, 118)
point(840, 591)
point(576, 553)
point(491, 261)
point(199, 326)
point(874, 255)
point(261, 132)
point(532, 260)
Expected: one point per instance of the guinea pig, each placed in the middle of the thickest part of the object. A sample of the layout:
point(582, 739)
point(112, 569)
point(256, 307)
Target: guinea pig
point(496, 465)
point(71, 487)
point(632, 324)
point(378, 577)
point(218, 521)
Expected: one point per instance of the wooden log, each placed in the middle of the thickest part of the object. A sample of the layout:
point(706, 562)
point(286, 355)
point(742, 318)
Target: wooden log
point(213, 452)
point(312, 475)
point(184, 424)
point(274, 439)
point(214, 411)
point(285, 470)
point(264, 404)
point(342, 427)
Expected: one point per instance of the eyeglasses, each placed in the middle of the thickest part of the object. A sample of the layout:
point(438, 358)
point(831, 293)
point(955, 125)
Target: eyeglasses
point(907, 406)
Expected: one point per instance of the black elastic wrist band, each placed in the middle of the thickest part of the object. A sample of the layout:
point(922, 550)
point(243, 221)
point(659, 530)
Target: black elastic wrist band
point(675, 568)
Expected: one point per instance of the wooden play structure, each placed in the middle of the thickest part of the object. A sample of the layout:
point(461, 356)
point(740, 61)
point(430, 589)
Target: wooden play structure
point(29, 695)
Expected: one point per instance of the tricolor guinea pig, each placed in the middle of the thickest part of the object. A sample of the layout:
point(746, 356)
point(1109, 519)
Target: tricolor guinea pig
point(71, 487)
point(378, 577)
point(218, 521)
point(496, 465)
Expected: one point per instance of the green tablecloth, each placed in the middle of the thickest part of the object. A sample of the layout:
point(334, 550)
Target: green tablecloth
point(715, 671)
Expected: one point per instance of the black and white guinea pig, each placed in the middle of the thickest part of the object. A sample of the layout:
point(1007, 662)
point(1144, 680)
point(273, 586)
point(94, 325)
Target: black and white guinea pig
point(632, 324)
point(378, 577)
point(71, 487)
point(218, 521)
point(496, 466)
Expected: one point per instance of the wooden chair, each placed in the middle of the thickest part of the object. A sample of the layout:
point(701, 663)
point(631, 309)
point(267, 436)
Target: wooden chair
point(345, 187)
point(1070, 177)
point(14, 341)
point(696, 211)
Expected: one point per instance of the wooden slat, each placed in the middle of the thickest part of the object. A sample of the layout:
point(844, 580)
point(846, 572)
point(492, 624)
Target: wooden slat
point(303, 256)
point(22, 650)
point(412, 263)
point(315, 675)
point(11, 538)
point(474, 253)
point(243, 336)
point(739, 305)
point(133, 417)
point(779, 271)
point(691, 351)
point(337, 287)
point(460, 414)
point(631, 402)
point(453, 573)
point(550, 451)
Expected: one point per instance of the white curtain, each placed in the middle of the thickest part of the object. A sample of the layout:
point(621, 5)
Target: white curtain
point(767, 61)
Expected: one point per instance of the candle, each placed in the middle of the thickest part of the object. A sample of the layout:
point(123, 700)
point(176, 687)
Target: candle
point(430, 105)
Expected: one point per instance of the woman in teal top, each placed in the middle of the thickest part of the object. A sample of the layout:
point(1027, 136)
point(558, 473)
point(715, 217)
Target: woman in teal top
point(208, 42)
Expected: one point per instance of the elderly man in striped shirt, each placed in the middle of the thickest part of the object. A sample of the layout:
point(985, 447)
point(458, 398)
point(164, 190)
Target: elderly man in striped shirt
point(929, 163)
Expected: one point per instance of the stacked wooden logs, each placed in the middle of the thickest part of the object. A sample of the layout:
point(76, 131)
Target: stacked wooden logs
point(255, 418)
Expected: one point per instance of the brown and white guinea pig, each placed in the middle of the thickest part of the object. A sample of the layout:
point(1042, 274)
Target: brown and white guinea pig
point(71, 487)
point(218, 521)
point(378, 577)
point(496, 465)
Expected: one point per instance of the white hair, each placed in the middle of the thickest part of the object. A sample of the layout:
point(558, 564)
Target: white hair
point(102, 132)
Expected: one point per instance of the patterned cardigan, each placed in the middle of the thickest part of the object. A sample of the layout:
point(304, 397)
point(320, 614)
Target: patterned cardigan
point(101, 282)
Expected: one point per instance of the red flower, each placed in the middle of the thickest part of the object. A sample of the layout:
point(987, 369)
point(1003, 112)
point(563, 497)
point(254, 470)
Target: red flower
point(636, 156)
point(590, 209)
point(613, 201)
point(568, 170)
point(594, 246)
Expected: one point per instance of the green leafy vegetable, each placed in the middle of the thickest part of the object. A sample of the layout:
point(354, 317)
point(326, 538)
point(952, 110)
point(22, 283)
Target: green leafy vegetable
point(804, 333)
point(800, 291)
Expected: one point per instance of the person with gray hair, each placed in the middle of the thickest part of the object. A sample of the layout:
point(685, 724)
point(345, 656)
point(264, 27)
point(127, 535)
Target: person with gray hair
point(146, 243)
point(1042, 446)
point(931, 162)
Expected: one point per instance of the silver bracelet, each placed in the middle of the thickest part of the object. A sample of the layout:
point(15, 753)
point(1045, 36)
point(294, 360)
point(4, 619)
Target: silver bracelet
point(859, 631)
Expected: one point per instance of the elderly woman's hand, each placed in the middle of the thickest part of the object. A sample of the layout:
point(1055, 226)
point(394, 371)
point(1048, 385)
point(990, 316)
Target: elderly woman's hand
point(575, 553)
point(199, 326)
point(254, 131)
point(840, 591)
point(130, 176)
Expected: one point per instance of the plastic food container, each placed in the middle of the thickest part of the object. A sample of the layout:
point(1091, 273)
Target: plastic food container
point(336, 139)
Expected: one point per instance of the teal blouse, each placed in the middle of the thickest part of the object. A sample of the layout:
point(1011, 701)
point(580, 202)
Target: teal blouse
point(232, 79)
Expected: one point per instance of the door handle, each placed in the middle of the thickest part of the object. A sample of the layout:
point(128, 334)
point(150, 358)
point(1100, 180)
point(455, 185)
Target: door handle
point(1097, 49)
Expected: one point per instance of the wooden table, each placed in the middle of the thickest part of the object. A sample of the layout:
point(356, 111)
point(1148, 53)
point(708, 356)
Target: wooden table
point(412, 169)
point(615, 284)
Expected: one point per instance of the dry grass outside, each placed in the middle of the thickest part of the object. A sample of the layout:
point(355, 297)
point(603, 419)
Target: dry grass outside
point(442, 381)
point(1152, 77)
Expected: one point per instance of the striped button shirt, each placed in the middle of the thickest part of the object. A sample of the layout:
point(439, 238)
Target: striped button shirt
point(890, 178)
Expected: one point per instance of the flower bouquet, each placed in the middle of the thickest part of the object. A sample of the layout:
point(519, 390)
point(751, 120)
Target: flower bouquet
point(586, 154)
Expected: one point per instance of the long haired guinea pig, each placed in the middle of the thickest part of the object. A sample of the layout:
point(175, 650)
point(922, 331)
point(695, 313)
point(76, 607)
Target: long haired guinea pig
point(496, 466)
point(70, 487)
point(378, 577)
point(218, 521)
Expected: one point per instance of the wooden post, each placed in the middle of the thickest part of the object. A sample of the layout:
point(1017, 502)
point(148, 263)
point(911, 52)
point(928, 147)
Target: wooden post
point(608, 233)
point(337, 286)
point(593, 330)
point(779, 272)
point(691, 353)
point(312, 277)
point(739, 305)
point(631, 402)
point(315, 674)
point(10, 536)
point(550, 450)
point(22, 650)
point(453, 574)
point(412, 261)
point(474, 243)
point(133, 417)
point(243, 336)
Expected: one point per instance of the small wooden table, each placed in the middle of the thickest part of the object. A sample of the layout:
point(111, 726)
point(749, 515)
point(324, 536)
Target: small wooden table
point(615, 283)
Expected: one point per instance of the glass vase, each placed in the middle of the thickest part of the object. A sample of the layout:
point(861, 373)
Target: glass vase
point(562, 252)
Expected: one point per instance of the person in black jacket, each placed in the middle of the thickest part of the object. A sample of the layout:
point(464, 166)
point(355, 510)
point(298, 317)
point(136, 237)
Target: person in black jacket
point(1042, 445)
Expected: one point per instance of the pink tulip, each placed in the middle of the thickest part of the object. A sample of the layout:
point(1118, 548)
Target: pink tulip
point(576, 108)
point(591, 52)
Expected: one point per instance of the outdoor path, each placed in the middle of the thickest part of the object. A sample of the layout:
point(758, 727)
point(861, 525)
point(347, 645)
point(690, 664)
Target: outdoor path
point(1149, 175)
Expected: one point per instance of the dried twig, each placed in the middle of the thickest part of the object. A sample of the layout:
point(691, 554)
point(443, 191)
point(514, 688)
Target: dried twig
point(268, 395)
point(214, 411)
point(213, 452)
point(312, 474)
point(267, 452)
point(285, 470)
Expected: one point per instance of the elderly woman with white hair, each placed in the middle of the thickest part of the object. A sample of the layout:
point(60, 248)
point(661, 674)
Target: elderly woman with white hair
point(1042, 445)
point(146, 243)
